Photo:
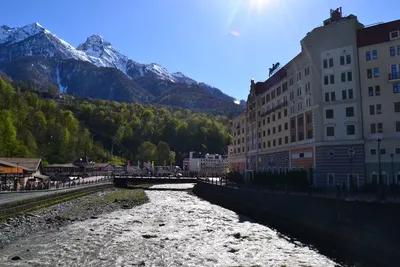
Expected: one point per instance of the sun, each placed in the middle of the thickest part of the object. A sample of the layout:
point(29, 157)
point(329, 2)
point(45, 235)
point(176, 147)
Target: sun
point(259, 5)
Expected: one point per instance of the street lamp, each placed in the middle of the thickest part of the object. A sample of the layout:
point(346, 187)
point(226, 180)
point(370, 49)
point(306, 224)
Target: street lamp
point(380, 170)
point(351, 156)
point(392, 165)
point(379, 161)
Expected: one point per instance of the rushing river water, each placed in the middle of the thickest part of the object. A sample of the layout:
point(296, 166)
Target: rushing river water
point(173, 229)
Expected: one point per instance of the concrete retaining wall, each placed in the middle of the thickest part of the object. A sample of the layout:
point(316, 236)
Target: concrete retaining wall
point(356, 231)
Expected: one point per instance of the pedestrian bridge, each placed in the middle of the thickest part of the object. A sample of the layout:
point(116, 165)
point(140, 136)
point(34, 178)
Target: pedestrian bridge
point(126, 180)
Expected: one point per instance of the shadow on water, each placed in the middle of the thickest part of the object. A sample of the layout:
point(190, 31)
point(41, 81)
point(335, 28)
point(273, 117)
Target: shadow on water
point(329, 251)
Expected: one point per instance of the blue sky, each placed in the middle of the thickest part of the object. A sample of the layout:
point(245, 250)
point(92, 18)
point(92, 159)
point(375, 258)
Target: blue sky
point(224, 43)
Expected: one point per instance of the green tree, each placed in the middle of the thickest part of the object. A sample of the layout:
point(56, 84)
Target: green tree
point(172, 155)
point(162, 151)
point(147, 151)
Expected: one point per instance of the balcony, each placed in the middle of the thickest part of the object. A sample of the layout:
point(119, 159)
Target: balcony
point(394, 77)
point(271, 110)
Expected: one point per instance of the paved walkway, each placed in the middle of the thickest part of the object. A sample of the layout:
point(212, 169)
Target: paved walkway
point(6, 196)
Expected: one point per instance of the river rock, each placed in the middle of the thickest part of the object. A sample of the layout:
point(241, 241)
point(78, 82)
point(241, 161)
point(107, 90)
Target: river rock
point(16, 258)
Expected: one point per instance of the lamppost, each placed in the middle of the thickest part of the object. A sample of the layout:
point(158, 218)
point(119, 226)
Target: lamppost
point(351, 156)
point(392, 165)
point(380, 169)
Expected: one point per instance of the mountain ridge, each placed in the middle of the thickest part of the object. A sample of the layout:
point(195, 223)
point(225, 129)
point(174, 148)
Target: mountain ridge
point(34, 40)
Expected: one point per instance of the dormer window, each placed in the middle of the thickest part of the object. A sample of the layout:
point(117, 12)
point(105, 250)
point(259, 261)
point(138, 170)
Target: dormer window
point(394, 35)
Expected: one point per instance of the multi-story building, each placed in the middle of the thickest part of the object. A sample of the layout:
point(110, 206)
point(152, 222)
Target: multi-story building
point(205, 164)
point(237, 152)
point(379, 59)
point(308, 113)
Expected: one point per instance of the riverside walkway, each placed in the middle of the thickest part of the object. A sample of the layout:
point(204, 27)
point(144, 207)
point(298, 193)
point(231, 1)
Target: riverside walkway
point(11, 196)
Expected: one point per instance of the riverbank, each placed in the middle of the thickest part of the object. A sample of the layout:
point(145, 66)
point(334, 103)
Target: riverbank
point(354, 232)
point(61, 214)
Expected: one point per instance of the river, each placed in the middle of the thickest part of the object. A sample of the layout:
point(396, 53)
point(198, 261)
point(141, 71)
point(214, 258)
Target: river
point(174, 229)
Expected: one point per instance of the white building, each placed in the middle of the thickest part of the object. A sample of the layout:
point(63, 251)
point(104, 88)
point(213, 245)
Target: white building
point(206, 164)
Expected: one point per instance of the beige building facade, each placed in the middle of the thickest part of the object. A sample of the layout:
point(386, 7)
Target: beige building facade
point(237, 151)
point(379, 57)
point(308, 113)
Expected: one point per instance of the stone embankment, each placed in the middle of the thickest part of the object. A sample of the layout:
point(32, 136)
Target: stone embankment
point(53, 217)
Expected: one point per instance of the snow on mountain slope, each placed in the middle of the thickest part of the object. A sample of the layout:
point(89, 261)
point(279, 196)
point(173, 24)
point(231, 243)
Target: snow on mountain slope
point(180, 77)
point(34, 40)
point(103, 54)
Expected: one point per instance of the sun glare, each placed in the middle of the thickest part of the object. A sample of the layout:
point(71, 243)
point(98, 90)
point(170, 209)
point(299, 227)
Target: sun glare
point(260, 5)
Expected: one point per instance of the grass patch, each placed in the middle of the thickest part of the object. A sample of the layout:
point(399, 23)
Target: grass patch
point(133, 196)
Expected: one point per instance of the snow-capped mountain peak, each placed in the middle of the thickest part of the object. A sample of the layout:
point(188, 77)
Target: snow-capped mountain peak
point(13, 35)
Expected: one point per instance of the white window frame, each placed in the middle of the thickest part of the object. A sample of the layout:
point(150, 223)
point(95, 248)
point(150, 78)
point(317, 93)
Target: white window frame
point(394, 38)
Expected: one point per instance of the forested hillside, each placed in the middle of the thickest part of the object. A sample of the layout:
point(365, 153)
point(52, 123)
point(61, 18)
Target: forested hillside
point(59, 130)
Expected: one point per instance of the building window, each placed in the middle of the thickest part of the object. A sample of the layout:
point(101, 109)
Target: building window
point(331, 179)
point(279, 115)
point(326, 80)
point(343, 77)
point(380, 127)
point(392, 51)
point(374, 54)
point(308, 118)
point(332, 78)
point(351, 96)
point(344, 94)
point(371, 110)
point(350, 112)
point(285, 112)
point(394, 35)
point(373, 151)
point(371, 91)
point(398, 50)
point(369, 73)
point(351, 130)
point(397, 126)
point(397, 150)
point(263, 144)
point(269, 143)
point(279, 128)
point(326, 97)
point(377, 90)
point(330, 131)
point(299, 91)
point(383, 151)
point(368, 55)
point(397, 107)
point(373, 128)
point(280, 141)
point(349, 76)
point(308, 102)
point(273, 130)
point(264, 133)
point(348, 59)
point(329, 114)
point(376, 72)
point(286, 139)
point(273, 117)
point(286, 125)
point(396, 88)
point(292, 109)
point(330, 62)
point(299, 106)
point(290, 81)
point(309, 134)
point(341, 60)
point(378, 109)
point(333, 96)
point(274, 142)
